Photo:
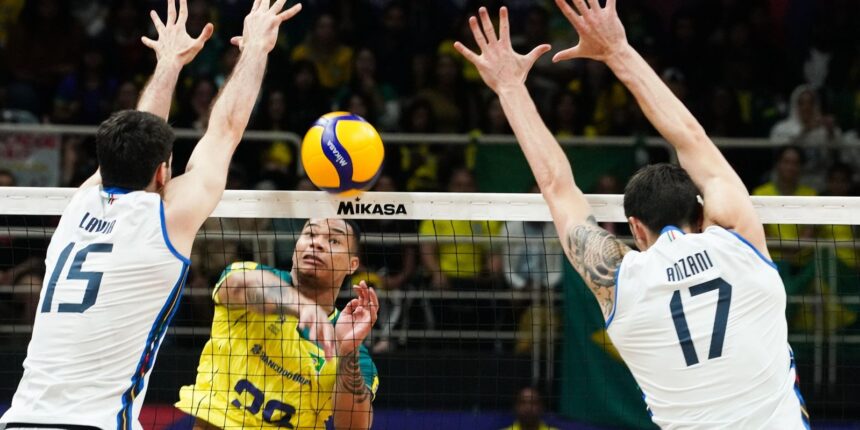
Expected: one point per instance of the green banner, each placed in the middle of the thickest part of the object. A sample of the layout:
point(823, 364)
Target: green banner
point(596, 386)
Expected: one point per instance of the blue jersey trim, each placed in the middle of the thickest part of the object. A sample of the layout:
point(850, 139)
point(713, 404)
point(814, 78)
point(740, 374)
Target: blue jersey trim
point(617, 289)
point(150, 350)
point(670, 228)
point(173, 250)
point(116, 190)
point(763, 258)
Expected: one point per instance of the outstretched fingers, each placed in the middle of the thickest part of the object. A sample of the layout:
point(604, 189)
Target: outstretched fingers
point(476, 32)
point(206, 33)
point(466, 52)
point(487, 23)
point(504, 26)
point(291, 12)
point(569, 13)
point(149, 43)
point(277, 6)
point(567, 54)
point(536, 53)
point(159, 26)
point(183, 12)
point(171, 12)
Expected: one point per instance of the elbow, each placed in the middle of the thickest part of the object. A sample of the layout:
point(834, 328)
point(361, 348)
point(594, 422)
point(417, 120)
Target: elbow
point(556, 180)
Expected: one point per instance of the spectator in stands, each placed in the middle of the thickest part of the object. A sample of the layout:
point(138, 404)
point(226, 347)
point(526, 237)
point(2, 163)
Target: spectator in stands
point(814, 132)
point(309, 99)
point(840, 183)
point(416, 166)
point(323, 48)
point(126, 96)
point(493, 120)
point(196, 104)
point(459, 258)
point(7, 178)
point(528, 408)
point(567, 119)
point(722, 115)
point(787, 182)
point(360, 104)
point(382, 96)
point(86, 96)
point(453, 101)
point(208, 60)
point(36, 58)
point(392, 45)
point(126, 22)
point(387, 266)
point(277, 161)
point(533, 261)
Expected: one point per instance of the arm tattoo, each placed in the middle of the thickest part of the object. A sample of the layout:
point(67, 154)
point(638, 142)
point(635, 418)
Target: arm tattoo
point(349, 378)
point(596, 254)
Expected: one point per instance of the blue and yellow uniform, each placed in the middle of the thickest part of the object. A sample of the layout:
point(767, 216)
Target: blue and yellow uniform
point(259, 371)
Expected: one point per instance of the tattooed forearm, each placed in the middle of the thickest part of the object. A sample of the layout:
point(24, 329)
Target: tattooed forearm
point(596, 254)
point(349, 378)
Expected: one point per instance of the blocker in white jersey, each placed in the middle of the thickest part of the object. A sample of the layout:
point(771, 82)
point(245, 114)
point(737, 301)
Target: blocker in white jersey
point(114, 282)
point(700, 321)
point(115, 265)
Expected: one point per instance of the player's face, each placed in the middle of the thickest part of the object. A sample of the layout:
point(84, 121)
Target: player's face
point(324, 251)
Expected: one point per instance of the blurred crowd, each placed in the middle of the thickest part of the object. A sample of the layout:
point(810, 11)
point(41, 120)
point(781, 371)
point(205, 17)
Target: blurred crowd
point(786, 70)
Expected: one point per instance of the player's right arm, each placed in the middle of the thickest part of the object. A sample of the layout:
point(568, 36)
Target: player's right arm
point(245, 285)
point(594, 253)
point(192, 197)
point(602, 38)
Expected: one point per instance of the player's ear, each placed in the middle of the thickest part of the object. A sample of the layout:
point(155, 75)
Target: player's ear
point(353, 265)
point(162, 175)
point(640, 236)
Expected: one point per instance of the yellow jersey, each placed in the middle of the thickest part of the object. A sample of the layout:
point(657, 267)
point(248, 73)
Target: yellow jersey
point(259, 371)
point(460, 255)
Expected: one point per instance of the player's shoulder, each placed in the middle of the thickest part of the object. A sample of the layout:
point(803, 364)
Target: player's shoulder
point(247, 266)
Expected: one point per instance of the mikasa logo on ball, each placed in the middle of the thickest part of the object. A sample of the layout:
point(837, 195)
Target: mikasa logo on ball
point(337, 156)
point(350, 208)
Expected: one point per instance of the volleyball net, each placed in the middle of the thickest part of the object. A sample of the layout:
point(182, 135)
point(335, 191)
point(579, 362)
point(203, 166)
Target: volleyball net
point(477, 301)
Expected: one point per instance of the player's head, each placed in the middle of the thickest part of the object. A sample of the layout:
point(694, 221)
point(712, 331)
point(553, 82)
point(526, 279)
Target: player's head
point(326, 252)
point(657, 196)
point(134, 150)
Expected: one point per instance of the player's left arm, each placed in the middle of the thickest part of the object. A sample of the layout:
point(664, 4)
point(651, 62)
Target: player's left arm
point(173, 50)
point(265, 290)
point(594, 253)
point(352, 406)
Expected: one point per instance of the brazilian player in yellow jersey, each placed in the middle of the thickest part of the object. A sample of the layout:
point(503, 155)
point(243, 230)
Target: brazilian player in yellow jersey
point(280, 354)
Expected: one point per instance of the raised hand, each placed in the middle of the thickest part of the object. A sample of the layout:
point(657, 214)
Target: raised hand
point(499, 65)
point(600, 31)
point(174, 43)
point(356, 319)
point(320, 329)
point(262, 23)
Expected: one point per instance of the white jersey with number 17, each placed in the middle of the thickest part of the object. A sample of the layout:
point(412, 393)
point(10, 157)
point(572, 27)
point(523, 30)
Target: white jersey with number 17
point(112, 284)
point(700, 321)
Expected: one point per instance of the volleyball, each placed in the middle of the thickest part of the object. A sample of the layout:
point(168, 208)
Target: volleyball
point(342, 154)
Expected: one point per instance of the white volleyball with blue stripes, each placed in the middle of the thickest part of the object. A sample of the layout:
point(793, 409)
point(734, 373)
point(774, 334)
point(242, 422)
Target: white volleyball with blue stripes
point(342, 153)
